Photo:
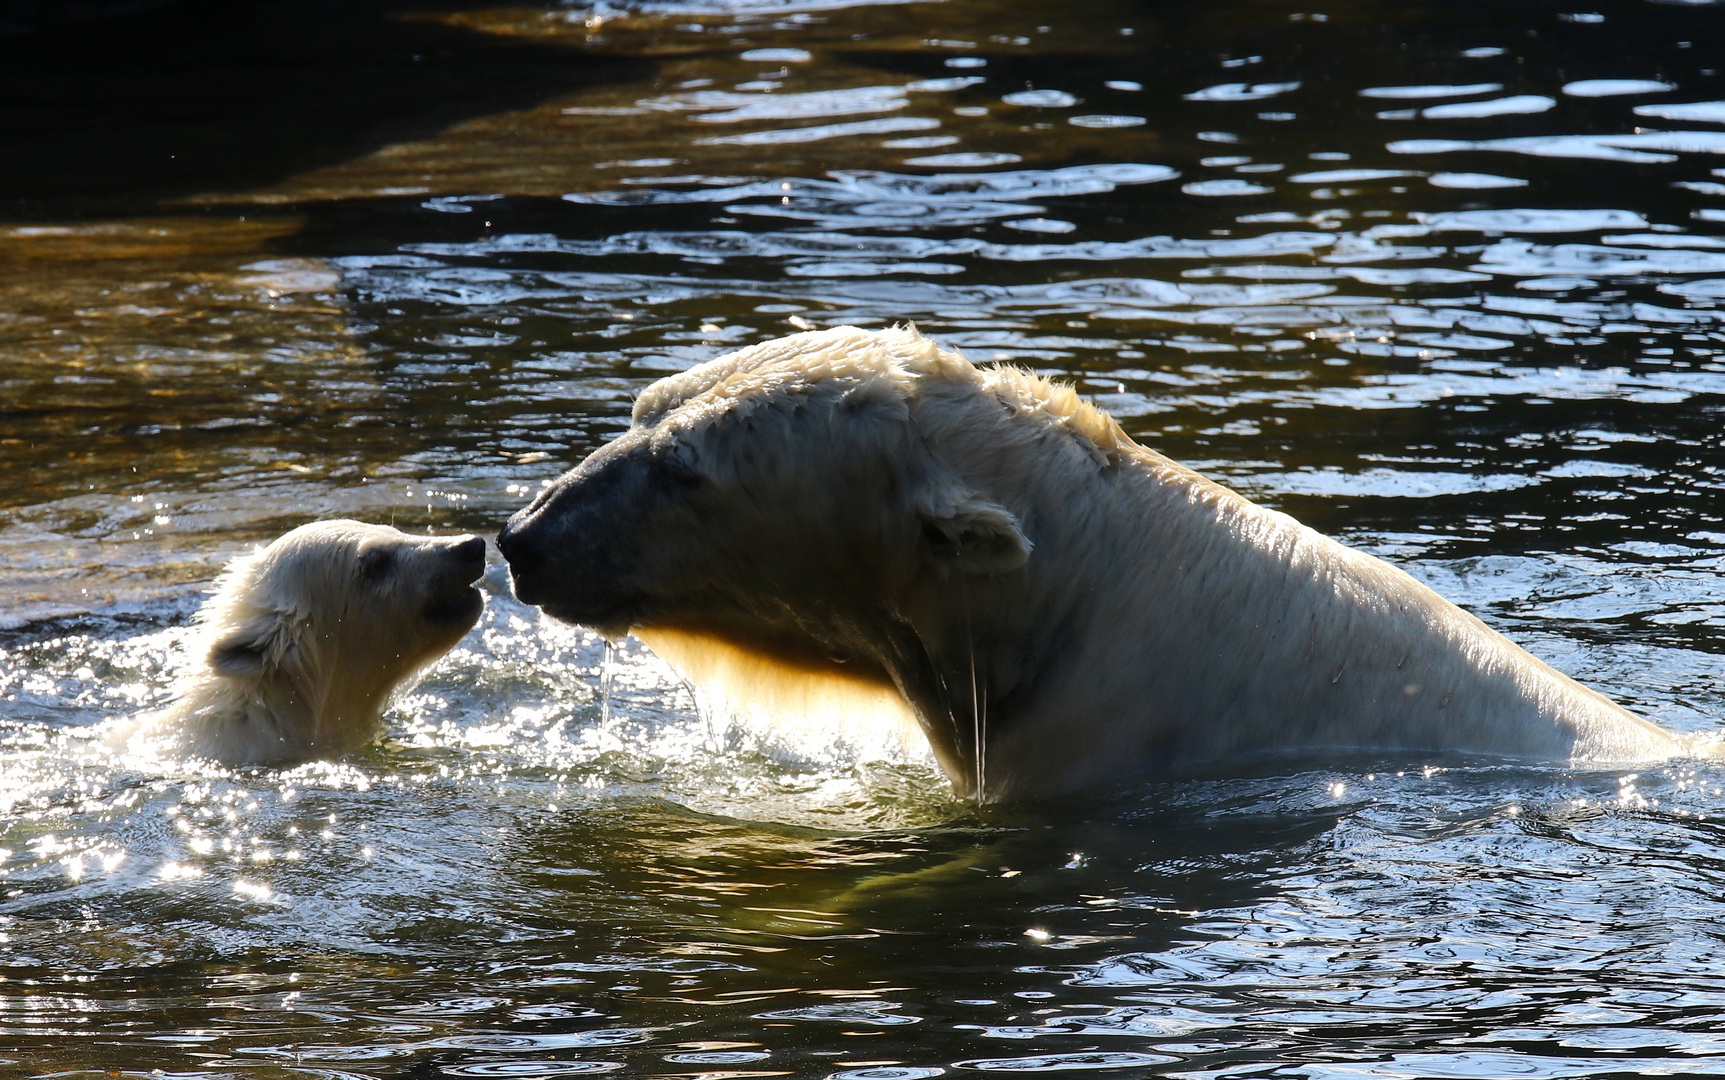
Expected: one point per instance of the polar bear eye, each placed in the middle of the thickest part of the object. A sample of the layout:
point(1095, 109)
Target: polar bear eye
point(375, 563)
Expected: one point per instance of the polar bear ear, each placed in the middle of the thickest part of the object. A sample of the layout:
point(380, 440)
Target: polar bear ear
point(250, 650)
point(975, 534)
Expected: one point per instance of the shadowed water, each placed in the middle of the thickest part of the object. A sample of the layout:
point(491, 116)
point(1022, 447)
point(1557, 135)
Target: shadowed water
point(1440, 280)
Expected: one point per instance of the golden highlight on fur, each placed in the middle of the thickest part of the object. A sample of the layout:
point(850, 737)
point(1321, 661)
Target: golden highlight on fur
point(767, 692)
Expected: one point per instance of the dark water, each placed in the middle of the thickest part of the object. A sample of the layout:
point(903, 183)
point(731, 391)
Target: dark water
point(406, 263)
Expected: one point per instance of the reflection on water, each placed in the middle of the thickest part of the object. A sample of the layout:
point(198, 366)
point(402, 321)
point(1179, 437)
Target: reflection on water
point(1443, 281)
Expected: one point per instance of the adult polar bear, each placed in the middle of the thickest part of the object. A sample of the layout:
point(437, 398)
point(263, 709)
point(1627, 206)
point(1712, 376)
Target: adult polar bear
point(1058, 605)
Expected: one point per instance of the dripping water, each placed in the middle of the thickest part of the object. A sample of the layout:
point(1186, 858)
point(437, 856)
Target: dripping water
point(978, 715)
point(607, 675)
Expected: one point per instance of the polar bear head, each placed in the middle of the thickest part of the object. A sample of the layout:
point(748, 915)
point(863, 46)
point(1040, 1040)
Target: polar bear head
point(842, 503)
point(305, 640)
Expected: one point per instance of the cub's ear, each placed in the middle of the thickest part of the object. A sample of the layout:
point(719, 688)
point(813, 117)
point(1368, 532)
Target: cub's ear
point(973, 533)
point(250, 650)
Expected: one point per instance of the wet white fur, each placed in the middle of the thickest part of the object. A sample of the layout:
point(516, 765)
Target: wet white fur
point(299, 649)
point(1134, 613)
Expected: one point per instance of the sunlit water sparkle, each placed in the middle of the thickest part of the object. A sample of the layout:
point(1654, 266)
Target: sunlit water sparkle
point(1456, 303)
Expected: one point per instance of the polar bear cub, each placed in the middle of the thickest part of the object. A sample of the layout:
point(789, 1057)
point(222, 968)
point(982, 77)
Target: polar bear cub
point(304, 641)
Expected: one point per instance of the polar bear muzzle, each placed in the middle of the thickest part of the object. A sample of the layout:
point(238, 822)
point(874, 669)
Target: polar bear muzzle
point(587, 520)
point(454, 599)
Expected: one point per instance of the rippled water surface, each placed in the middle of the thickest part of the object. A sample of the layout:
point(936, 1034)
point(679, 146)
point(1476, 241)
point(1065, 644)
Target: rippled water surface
point(1442, 280)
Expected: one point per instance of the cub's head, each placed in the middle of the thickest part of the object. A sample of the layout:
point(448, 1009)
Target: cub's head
point(344, 612)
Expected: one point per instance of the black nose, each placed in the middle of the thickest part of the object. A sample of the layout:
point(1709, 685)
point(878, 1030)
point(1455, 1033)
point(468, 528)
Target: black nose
point(522, 555)
point(508, 540)
point(470, 550)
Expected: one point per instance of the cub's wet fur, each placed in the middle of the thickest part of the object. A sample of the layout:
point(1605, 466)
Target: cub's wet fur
point(303, 642)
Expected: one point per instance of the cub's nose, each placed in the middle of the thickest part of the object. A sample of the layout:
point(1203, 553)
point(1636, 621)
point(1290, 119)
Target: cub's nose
point(471, 549)
point(470, 554)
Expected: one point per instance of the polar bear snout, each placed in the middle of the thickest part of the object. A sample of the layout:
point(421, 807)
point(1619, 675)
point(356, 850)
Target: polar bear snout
point(523, 548)
point(471, 552)
point(572, 551)
point(461, 563)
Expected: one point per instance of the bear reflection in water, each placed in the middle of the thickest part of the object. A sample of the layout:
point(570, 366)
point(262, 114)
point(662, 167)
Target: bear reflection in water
point(862, 520)
point(304, 642)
